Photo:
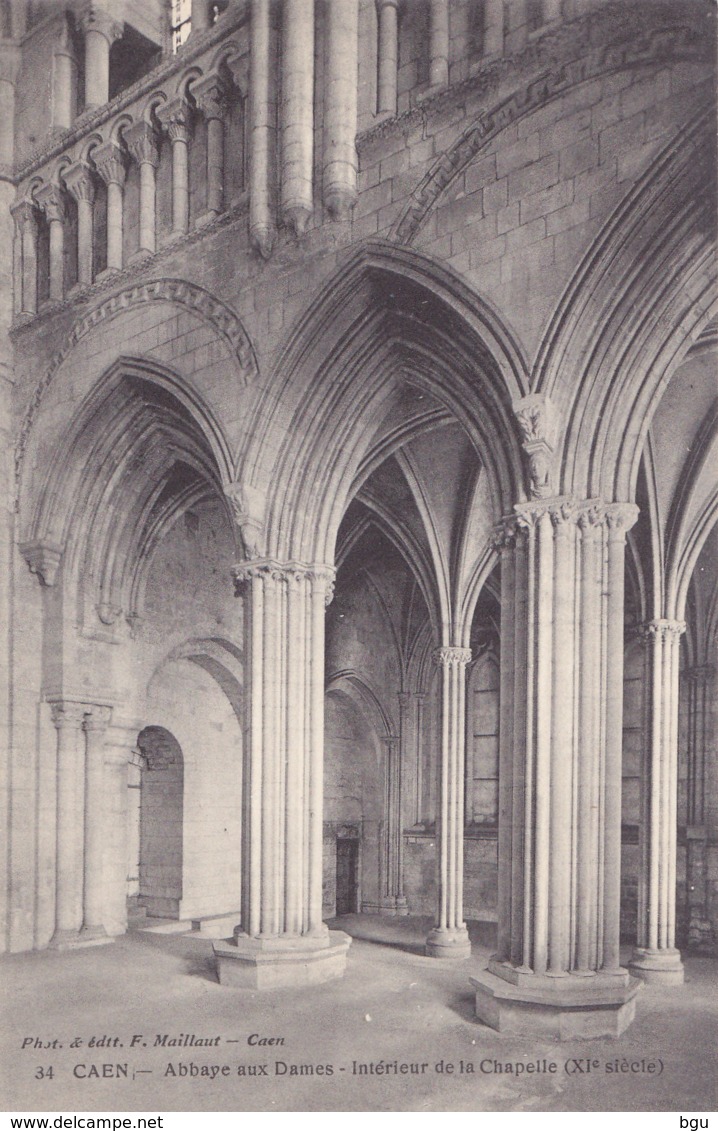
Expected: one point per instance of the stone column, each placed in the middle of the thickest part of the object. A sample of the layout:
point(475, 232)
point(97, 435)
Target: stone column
point(64, 81)
point(200, 16)
point(68, 719)
point(388, 51)
point(297, 113)
point(81, 185)
point(439, 43)
point(656, 958)
point(175, 117)
point(393, 900)
point(557, 969)
point(25, 216)
point(211, 96)
point(697, 681)
point(95, 725)
point(493, 27)
point(49, 197)
point(141, 141)
point(550, 10)
point(109, 160)
point(262, 116)
point(449, 938)
point(282, 939)
point(340, 108)
point(101, 31)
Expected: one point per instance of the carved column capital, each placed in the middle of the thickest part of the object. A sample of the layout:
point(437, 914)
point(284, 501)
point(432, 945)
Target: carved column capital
point(620, 518)
point(43, 559)
point(80, 182)
point(142, 142)
point(175, 117)
point(24, 213)
point(95, 19)
point(247, 504)
point(67, 714)
point(452, 657)
point(97, 718)
point(537, 422)
point(51, 200)
point(211, 94)
point(662, 629)
point(286, 573)
point(110, 163)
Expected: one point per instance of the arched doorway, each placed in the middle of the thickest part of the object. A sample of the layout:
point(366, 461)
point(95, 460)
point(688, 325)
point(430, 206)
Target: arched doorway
point(161, 817)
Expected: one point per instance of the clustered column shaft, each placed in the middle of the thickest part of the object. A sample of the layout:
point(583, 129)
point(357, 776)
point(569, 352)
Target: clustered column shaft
point(449, 938)
point(560, 747)
point(283, 789)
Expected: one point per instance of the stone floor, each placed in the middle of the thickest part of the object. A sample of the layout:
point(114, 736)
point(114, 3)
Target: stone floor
point(392, 1005)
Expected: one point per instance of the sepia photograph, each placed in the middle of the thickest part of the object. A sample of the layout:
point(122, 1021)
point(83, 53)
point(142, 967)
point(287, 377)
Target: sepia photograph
point(358, 559)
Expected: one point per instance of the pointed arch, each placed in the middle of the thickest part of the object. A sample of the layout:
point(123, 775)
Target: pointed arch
point(640, 298)
point(389, 316)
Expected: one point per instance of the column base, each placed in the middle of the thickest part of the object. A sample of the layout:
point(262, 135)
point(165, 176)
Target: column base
point(445, 942)
point(662, 966)
point(216, 926)
point(394, 905)
point(269, 964)
point(558, 1008)
point(75, 940)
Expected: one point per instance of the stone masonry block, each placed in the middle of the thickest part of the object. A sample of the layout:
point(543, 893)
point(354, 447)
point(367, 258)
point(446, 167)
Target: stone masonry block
point(539, 175)
point(518, 155)
point(547, 201)
point(622, 137)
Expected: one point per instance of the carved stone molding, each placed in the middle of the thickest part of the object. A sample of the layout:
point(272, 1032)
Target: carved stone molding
point(175, 117)
point(285, 573)
point(68, 714)
point(51, 200)
point(80, 182)
point(537, 420)
point(110, 162)
point(179, 291)
point(452, 657)
point(43, 559)
point(211, 94)
point(143, 144)
point(247, 505)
